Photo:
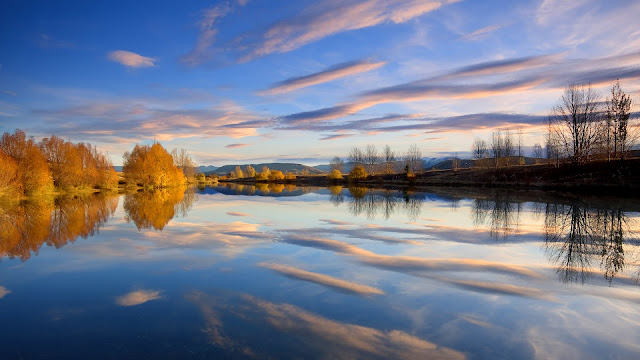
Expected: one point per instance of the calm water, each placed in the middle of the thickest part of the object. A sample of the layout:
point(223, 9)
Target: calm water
point(284, 272)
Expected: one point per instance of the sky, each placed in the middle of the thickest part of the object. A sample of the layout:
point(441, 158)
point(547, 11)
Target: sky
point(248, 81)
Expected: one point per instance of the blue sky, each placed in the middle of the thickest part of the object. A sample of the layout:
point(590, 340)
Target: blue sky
point(255, 80)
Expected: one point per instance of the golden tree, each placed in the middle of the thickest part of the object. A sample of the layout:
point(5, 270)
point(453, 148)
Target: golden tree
point(151, 166)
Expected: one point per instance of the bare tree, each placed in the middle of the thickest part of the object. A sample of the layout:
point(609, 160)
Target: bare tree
point(182, 160)
point(389, 159)
point(479, 149)
point(455, 162)
point(337, 164)
point(617, 120)
point(497, 147)
point(356, 156)
point(575, 123)
point(371, 158)
point(413, 159)
point(538, 153)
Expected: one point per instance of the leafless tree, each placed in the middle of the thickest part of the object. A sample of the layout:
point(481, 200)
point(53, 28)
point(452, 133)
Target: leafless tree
point(497, 147)
point(538, 153)
point(479, 149)
point(356, 156)
point(389, 159)
point(371, 158)
point(617, 120)
point(337, 164)
point(413, 159)
point(575, 123)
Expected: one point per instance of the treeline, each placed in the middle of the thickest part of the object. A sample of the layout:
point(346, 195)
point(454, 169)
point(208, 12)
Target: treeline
point(369, 161)
point(582, 127)
point(265, 175)
point(28, 167)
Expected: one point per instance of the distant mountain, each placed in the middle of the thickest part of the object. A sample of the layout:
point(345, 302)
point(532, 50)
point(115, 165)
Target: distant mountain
point(206, 168)
point(284, 167)
point(467, 163)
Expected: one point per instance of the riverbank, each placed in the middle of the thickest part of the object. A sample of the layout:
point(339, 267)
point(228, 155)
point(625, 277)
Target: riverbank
point(602, 176)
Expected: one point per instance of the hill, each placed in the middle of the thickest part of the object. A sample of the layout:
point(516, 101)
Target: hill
point(284, 167)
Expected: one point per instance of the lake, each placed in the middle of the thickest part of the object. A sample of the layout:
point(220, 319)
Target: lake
point(275, 271)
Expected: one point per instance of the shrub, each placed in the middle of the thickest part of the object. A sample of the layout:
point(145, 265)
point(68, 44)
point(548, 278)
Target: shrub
point(358, 173)
point(334, 174)
point(290, 176)
point(276, 175)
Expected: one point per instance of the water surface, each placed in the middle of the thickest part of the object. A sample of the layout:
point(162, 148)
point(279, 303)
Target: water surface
point(286, 272)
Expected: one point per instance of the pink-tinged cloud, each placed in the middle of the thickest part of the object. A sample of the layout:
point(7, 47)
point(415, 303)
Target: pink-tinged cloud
point(138, 297)
point(236, 145)
point(480, 33)
point(335, 137)
point(332, 17)
point(233, 213)
point(333, 73)
point(131, 59)
point(325, 280)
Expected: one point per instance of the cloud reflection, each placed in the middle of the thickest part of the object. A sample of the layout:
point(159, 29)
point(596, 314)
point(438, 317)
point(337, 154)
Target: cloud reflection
point(138, 297)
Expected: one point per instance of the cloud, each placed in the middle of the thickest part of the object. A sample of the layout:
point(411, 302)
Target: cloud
point(137, 297)
point(325, 280)
point(312, 333)
point(480, 33)
point(131, 59)
point(336, 136)
point(233, 213)
point(4, 291)
point(332, 73)
point(236, 145)
point(333, 17)
point(202, 51)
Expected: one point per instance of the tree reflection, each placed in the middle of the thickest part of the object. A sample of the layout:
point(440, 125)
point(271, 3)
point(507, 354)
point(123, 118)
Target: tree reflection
point(386, 202)
point(154, 209)
point(500, 211)
point(579, 238)
point(337, 197)
point(24, 227)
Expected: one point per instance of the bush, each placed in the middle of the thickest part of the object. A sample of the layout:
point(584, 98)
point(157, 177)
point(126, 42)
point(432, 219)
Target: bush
point(358, 173)
point(334, 174)
point(276, 175)
point(290, 176)
point(263, 176)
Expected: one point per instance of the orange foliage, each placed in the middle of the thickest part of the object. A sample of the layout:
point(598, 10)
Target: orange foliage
point(151, 166)
point(276, 175)
point(9, 176)
point(154, 209)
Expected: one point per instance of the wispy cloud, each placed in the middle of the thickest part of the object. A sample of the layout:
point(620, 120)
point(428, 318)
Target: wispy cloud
point(480, 33)
point(236, 145)
point(131, 59)
point(202, 51)
point(330, 74)
point(325, 280)
point(4, 291)
point(137, 297)
point(332, 17)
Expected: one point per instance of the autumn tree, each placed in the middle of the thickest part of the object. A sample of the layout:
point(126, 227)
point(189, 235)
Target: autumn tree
point(151, 166)
point(264, 174)
point(334, 174)
point(35, 176)
point(358, 173)
point(10, 183)
point(275, 175)
point(249, 171)
point(238, 172)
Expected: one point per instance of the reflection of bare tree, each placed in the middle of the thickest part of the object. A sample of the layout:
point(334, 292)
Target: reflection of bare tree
point(154, 209)
point(370, 203)
point(501, 212)
point(578, 237)
point(26, 226)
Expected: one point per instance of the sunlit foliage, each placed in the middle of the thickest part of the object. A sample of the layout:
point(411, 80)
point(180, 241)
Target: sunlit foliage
point(151, 166)
point(334, 174)
point(275, 175)
point(358, 173)
point(154, 209)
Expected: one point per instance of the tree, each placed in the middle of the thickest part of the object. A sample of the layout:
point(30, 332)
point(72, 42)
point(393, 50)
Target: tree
point(371, 158)
point(151, 166)
point(337, 164)
point(389, 160)
point(538, 153)
point(617, 120)
point(413, 159)
point(290, 176)
point(276, 175)
point(356, 156)
point(10, 184)
point(575, 122)
point(264, 174)
point(497, 147)
point(250, 171)
point(334, 174)
point(35, 176)
point(182, 160)
point(357, 173)
point(239, 173)
point(479, 149)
